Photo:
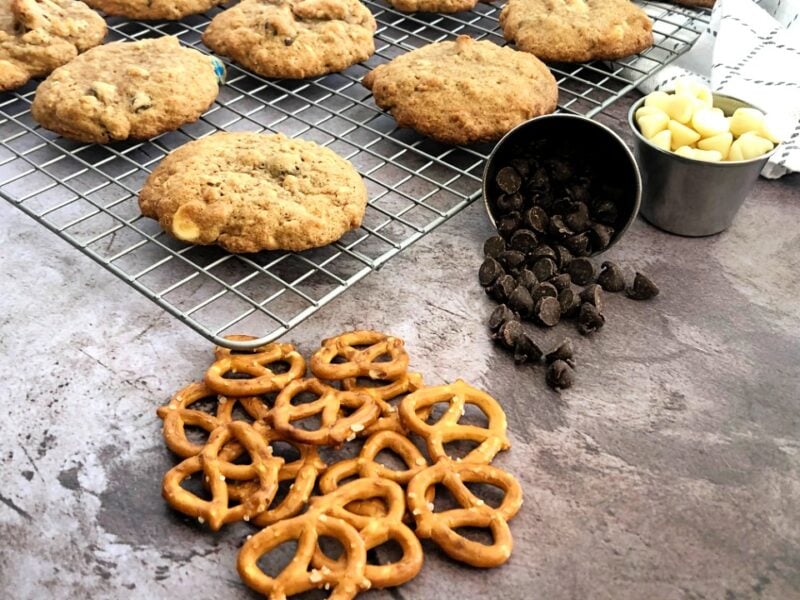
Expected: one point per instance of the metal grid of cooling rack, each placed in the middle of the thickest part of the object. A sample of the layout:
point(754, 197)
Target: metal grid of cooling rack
point(87, 194)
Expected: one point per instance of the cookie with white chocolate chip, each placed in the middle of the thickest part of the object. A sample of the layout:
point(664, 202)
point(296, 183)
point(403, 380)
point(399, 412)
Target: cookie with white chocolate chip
point(128, 90)
point(249, 192)
point(147, 10)
point(294, 39)
point(37, 36)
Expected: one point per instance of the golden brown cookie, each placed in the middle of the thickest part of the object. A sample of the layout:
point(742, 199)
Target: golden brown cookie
point(146, 10)
point(37, 36)
point(440, 6)
point(464, 91)
point(294, 39)
point(577, 30)
point(250, 191)
point(128, 90)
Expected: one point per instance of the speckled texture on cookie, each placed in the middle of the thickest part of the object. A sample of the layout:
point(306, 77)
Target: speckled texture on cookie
point(440, 6)
point(37, 36)
point(252, 191)
point(127, 90)
point(294, 38)
point(464, 91)
point(147, 10)
point(577, 30)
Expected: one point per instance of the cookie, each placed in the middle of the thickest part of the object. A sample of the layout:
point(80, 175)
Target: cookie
point(577, 30)
point(37, 36)
point(463, 91)
point(294, 39)
point(249, 192)
point(148, 10)
point(439, 6)
point(127, 90)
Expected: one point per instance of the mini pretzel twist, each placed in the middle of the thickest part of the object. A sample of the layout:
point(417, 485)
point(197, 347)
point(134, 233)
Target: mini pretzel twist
point(474, 512)
point(374, 531)
point(302, 473)
point(360, 362)
point(492, 439)
point(384, 396)
point(262, 379)
point(334, 428)
point(216, 511)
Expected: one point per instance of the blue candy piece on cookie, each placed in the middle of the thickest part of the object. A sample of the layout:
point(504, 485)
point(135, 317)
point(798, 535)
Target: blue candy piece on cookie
point(219, 69)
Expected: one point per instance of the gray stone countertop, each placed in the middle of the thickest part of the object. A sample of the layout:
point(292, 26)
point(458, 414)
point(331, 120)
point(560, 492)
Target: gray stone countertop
point(670, 471)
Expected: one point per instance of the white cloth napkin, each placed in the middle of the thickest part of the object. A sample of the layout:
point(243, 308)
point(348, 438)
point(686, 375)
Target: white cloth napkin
point(751, 51)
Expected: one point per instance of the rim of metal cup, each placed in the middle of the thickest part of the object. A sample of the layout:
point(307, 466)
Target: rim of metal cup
point(575, 118)
point(721, 164)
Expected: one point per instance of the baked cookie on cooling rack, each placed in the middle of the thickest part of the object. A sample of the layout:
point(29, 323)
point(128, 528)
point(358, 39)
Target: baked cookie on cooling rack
point(128, 90)
point(38, 36)
point(148, 10)
point(577, 30)
point(294, 39)
point(439, 6)
point(463, 91)
point(251, 191)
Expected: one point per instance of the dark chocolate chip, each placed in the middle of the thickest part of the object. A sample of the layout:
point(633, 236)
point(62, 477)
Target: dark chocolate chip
point(578, 220)
point(288, 41)
point(524, 240)
point(527, 278)
point(559, 229)
point(548, 311)
point(541, 199)
point(563, 256)
point(489, 272)
point(508, 224)
point(569, 302)
point(600, 236)
point(563, 205)
point(539, 180)
point(560, 170)
point(611, 278)
point(543, 290)
point(543, 251)
point(578, 244)
point(593, 294)
point(499, 316)
point(520, 301)
point(512, 259)
point(510, 333)
point(536, 219)
point(589, 319)
point(494, 246)
point(526, 350)
point(606, 212)
point(642, 289)
point(560, 281)
point(544, 268)
point(502, 288)
point(580, 190)
point(560, 375)
point(582, 271)
point(522, 166)
point(507, 203)
point(563, 352)
point(508, 180)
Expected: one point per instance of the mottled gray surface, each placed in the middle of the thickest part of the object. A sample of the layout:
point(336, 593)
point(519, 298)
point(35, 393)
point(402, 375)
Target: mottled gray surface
point(670, 471)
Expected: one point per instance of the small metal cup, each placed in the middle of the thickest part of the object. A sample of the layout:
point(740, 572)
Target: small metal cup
point(692, 197)
point(612, 154)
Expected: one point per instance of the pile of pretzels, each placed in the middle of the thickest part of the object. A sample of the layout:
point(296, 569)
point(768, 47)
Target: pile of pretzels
point(361, 392)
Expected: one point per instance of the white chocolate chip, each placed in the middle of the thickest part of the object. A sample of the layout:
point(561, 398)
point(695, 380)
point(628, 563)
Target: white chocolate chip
point(141, 101)
point(105, 92)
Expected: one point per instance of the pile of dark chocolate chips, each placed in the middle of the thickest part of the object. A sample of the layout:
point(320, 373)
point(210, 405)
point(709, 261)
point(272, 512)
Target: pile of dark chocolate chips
point(552, 214)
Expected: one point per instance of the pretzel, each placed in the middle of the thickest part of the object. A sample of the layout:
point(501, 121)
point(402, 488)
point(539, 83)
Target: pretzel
point(345, 469)
point(374, 531)
point(491, 439)
point(296, 578)
point(177, 415)
point(384, 394)
point(334, 427)
point(222, 352)
point(262, 379)
point(216, 511)
point(360, 362)
point(474, 512)
point(302, 472)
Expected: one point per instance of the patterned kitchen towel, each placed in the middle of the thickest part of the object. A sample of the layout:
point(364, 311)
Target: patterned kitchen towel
point(750, 50)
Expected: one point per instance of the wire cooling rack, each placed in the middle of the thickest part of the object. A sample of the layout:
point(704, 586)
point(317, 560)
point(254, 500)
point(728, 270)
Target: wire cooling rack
point(87, 194)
